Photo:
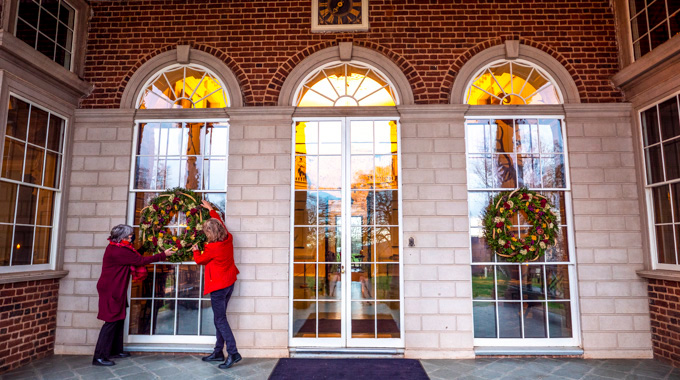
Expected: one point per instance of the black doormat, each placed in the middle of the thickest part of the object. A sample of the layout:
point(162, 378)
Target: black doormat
point(354, 369)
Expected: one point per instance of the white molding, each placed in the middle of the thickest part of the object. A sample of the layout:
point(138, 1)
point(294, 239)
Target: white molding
point(9, 278)
point(168, 58)
point(359, 54)
point(557, 72)
point(316, 28)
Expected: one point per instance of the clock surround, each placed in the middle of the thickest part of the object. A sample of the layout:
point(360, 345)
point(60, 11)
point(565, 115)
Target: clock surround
point(339, 15)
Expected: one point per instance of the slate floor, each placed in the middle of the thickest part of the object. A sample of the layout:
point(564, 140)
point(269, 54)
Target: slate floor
point(142, 367)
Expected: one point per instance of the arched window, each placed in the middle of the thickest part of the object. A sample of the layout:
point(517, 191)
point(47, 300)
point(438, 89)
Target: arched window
point(183, 86)
point(345, 85)
point(512, 82)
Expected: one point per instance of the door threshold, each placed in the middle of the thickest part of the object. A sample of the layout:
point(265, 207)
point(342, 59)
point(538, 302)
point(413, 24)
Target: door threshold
point(528, 351)
point(345, 353)
point(169, 347)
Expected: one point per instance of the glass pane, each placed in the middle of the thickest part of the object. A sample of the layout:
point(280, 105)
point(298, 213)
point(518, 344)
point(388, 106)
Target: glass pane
point(307, 138)
point(330, 207)
point(387, 244)
point(550, 133)
point(45, 46)
point(330, 172)
point(363, 319)
point(509, 320)
point(363, 281)
point(484, 315)
point(660, 34)
point(207, 319)
point(507, 278)
point(187, 317)
point(140, 317)
point(676, 201)
point(559, 319)
point(386, 207)
point(214, 174)
point(362, 172)
point(502, 131)
point(148, 139)
point(192, 170)
point(362, 207)
point(330, 134)
point(8, 198)
point(386, 172)
point(388, 319)
point(143, 289)
point(216, 139)
point(33, 169)
point(477, 203)
point(478, 136)
point(305, 208)
point(560, 251)
point(64, 37)
point(529, 171)
point(165, 281)
point(6, 233)
point(534, 320)
point(55, 134)
point(304, 319)
point(164, 317)
point(385, 137)
point(28, 11)
point(671, 156)
point(330, 281)
point(362, 137)
point(37, 130)
point(654, 165)
point(481, 253)
point(41, 251)
point(557, 279)
point(533, 287)
point(552, 169)
point(329, 245)
point(169, 173)
point(218, 199)
point(192, 134)
point(329, 320)
point(26, 32)
point(527, 135)
point(650, 126)
point(668, 114)
point(557, 199)
point(362, 244)
point(23, 245)
point(146, 172)
point(13, 160)
point(17, 118)
point(27, 200)
point(306, 172)
point(387, 282)
point(662, 204)
point(665, 244)
point(189, 281)
point(304, 243)
point(483, 285)
point(304, 281)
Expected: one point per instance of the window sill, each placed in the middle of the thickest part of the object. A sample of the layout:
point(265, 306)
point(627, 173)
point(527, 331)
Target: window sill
point(660, 274)
point(667, 53)
point(9, 278)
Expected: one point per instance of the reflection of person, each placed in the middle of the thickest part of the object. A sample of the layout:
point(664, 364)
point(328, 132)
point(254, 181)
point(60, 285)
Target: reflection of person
point(220, 276)
point(119, 258)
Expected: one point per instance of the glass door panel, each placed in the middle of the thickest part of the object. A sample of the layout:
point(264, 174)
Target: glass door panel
point(346, 179)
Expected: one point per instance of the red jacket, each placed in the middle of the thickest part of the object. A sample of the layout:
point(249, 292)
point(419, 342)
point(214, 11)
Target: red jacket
point(218, 258)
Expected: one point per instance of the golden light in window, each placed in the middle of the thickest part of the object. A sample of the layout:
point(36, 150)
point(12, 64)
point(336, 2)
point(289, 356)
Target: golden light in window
point(346, 85)
point(512, 83)
point(186, 86)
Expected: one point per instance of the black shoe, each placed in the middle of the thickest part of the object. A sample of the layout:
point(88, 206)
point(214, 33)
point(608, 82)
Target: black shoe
point(121, 355)
point(231, 360)
point(214, 357)
point(103, 362)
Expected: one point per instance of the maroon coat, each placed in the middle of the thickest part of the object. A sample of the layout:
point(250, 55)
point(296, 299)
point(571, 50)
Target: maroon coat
point(113, 283)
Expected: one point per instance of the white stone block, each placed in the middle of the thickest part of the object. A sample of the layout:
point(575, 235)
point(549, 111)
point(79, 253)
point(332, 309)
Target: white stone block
point(71, 336)
point(616, 322)
point(415, 339)
point(255, 322)
point(439, 323)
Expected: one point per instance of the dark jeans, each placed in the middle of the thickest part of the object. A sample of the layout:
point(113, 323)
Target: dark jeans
point(110, 340)
point(219, 300)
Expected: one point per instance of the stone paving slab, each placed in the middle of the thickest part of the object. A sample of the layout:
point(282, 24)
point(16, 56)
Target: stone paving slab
point(189, 367)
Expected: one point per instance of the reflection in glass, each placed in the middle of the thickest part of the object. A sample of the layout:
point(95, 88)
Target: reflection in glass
point(214, 174)
point(306, 138)
point(330, 137)
point(6, 233)
point(23, 245)
point(330, 281)
point(17, 118)
point(304, 319)
point(654, 164)
point(529, 171)
point(387, 282)
point(484, 316)
point(526, 136)
point(362, 244)
point(363, 319)
point(140, 317)
point(388, 319)
point(329, 245)
point(509, 320)
point(164, 317)
point(386, 172)
point(532, 283)
point(550, 132)
point(165, 281)
point(55, 133)
point(143, 289)
point(304, 243)
point(33, 169)
point(534, 320)
point(650, 126)
point(665, 244)
point(329, 320)
point(189, 281)
point(187, 317)
point(481, 253)
point(552, 171)
point(41, 250)
point(560, 251)
point(363, 174)
point(45, 204)
point(386, 207)
point(305, 207)
point(8, 198)
point(386, 244)
point(363, 281)
point(557, 281)
point(13, 160)
point(362, 207)
point(507, 277)
point(559, 319)
point(330, 208)
point(27, 202)
point(306, 172)
point(304, 281)
point(330, 172)
point(207, 319)
point(37, 130)
point(483, 284)
point(186, 86)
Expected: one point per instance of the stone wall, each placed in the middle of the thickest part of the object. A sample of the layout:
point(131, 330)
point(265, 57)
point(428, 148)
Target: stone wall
point(28, 314)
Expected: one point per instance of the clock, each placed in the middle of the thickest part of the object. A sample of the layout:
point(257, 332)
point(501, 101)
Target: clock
point(339, 15)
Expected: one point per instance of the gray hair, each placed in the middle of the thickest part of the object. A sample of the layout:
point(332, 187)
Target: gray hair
point(120, 232)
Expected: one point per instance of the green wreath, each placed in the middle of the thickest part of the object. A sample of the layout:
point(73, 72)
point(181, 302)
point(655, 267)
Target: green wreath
point(154, 217)
point(497, 221)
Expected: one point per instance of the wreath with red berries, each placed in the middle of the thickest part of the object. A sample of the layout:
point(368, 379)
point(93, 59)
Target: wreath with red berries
point(156, 237)
point(498, 225)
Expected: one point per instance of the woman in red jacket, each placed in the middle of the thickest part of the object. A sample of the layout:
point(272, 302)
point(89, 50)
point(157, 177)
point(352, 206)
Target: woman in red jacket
point(220, 276)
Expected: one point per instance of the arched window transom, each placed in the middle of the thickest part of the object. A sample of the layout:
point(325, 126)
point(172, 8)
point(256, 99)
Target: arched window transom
point(512, 82)
point(346, 85)
point(183, 86)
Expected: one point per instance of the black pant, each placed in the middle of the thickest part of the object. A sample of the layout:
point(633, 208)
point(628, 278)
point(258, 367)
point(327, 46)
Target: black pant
point(219, 300)
point(110, 340)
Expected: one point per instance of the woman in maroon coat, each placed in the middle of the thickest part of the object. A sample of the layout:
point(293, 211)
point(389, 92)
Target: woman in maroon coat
point(220, 276)
point(112, 287)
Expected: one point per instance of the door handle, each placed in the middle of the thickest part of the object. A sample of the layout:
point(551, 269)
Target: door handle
point(342, 269)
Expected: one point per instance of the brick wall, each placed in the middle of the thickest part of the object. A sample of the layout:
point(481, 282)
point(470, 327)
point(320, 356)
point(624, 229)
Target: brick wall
point(28, 312)
point(664, 307)
point(429, 40)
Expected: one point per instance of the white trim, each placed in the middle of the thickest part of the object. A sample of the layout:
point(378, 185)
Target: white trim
point(316, 28)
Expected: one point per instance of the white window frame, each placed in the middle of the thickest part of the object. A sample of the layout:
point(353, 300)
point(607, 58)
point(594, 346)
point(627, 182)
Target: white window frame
point(56, 217)
point(649, 198)
point(345, 340)
point(575, 340)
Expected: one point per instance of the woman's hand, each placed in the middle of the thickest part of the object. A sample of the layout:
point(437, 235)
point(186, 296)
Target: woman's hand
point(206, 205)
point(195, 247)
point(169, 252)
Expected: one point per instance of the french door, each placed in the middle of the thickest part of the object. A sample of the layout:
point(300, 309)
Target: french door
point(346, 270)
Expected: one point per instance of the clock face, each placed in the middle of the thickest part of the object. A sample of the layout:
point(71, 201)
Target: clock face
point(339, 12)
